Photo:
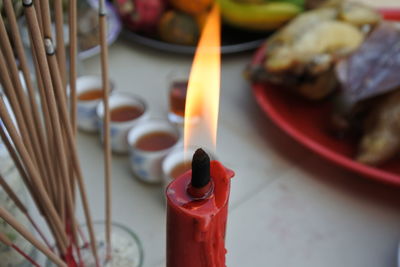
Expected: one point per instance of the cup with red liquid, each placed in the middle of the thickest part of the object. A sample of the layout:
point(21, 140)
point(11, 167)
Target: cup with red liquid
point(178, 82)
point(89, 91)
point(149, 143)
point(126, 111)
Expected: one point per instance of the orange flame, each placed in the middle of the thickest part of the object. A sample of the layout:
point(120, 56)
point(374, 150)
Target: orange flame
point(202, 99)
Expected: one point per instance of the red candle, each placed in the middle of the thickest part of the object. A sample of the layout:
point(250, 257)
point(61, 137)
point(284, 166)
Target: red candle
point(196, 218)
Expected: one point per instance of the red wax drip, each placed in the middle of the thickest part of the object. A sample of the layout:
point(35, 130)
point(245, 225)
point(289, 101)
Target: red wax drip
point(196, 228)
point(69, 255)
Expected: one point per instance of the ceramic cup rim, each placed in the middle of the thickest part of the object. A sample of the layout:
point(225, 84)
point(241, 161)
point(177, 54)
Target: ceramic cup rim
point(170, 161)
point(89, 80)
point(131, 140)
point(137, 98)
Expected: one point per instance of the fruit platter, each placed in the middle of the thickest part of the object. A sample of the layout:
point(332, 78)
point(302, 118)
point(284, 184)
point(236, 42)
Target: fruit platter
point(338, 96)
point(175, 25)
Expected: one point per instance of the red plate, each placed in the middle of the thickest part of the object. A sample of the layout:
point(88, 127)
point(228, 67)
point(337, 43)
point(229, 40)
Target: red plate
point(306, 123)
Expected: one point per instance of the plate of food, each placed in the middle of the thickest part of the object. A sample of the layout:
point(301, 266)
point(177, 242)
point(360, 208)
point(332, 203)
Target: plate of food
point(87, 28)
point(329, 79)
point(175, 25)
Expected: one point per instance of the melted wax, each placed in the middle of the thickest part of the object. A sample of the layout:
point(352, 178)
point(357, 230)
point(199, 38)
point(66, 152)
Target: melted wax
point(196, 227)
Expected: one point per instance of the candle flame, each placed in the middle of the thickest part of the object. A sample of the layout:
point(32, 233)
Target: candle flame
point(202, 99)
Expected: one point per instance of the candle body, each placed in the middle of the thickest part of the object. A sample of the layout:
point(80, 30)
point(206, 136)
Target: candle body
point(196, 228)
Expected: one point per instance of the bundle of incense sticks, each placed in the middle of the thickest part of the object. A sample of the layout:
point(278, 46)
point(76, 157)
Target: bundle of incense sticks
point(40, 137)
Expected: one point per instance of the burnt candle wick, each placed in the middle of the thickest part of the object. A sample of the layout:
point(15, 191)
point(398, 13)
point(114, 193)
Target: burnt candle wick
point(200, 169)
point(200, 185)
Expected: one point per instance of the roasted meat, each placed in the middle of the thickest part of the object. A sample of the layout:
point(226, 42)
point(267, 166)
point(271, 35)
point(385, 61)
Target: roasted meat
point(369, 99)
point(301, 56)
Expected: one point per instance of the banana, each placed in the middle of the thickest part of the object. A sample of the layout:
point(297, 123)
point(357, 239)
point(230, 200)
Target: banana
point(299, 3)
point(259, 17)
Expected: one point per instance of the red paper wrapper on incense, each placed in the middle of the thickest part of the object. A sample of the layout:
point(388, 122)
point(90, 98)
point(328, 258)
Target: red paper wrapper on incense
point(197, 209)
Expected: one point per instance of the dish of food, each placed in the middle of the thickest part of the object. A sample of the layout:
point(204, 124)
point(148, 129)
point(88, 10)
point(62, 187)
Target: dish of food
point(175, 25)
point(233, 41)
point(88, 38)
point(88, 31)
point(307, 116)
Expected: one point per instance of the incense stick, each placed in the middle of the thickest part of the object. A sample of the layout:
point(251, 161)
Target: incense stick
point(59, 94)
point(5, 215)
point(73, 57)
point(11, 96)
point(46, 17)
point(39, 14)
point(4, 239)
point(20, 168)
point(21, 98)
point(42, 153)
point(32, 189)
point(106, 123)
point(75, 161)
point(60, 51)
point(44, 70)
point(13, 196)
point(49, 209)
point(55, 183)
point(17, 42)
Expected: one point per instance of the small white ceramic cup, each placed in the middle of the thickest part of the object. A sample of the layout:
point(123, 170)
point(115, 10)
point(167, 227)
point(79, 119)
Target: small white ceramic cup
point(146, 165)
point(172, 160)
point(176, 157)
point(87, 119)
point(119, 130)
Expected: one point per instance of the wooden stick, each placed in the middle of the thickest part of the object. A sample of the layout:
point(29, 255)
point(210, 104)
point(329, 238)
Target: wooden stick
point(32, 189)
point(57, 83)
point(70, 137)
point(39, 14)
point(22, 100)
point(4, 239)
point(49, 96)
point(34, 174)
point(61, 194)
point(61, 155)
point(55, 181)
point(73, 53)
point(14, 197)
point(20, 168)
point(106, 123)
point(5, 215)
point(11, 194)
point(39, 47)
point(17, 42)
point(60, 51)
point(46, 18)
point(9, 91)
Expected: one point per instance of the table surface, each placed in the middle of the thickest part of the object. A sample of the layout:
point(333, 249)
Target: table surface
point(288, 206)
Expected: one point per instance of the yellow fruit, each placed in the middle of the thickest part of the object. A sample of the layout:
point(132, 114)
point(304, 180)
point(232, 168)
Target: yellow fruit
point(268, 16)
point(192, 7)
